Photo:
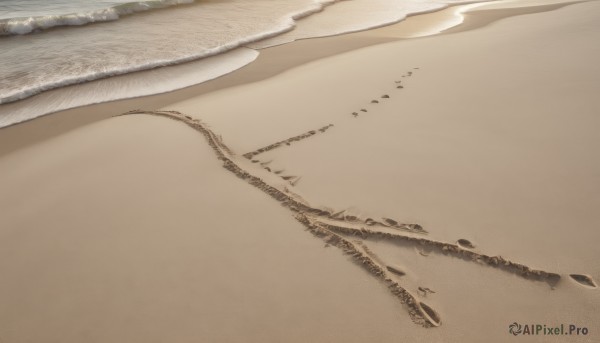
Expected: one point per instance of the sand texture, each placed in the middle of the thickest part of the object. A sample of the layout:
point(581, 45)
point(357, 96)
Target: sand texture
point(434, 189)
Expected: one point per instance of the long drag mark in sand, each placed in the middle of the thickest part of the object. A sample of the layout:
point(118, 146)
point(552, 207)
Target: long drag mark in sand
point(287, 141)
point(350, 233)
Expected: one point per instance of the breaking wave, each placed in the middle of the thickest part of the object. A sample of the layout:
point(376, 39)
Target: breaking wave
point(25, 25)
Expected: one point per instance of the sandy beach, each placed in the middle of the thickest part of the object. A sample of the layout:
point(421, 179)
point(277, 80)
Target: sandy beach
point(367, 187)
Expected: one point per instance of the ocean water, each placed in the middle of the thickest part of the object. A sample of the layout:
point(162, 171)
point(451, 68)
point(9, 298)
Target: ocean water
point(51, 44)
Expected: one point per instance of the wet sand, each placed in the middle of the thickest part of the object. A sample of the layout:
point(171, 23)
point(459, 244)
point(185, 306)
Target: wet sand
point(439, 192)
point(271, 61)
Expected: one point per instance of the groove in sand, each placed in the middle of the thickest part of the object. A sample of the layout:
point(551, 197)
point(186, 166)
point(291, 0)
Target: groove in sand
point(288, 141)
point(337, 228)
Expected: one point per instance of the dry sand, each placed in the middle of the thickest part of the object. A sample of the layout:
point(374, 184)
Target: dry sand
point(169, 248)
point(129, 229)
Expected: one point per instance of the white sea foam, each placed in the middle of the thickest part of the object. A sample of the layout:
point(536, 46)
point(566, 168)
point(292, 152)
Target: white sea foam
point(176, 36)
point(149, 82)
point(46, 61)
point(37, 63)
point(25, 25)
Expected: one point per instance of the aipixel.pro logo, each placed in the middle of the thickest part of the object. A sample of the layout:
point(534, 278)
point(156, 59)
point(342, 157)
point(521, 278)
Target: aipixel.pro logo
point(516, 329)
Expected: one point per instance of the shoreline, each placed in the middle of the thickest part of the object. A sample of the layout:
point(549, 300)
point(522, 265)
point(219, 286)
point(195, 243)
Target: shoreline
point(395, 192)
point(480, 18)
point(269, 63)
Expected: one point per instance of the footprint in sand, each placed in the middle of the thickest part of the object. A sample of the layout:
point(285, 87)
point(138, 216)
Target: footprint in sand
point(430, 314)
point(390, 221)
point(423, 251)
point(465, 243)
point(325, 128)
point(374, 101)
point(395, 270)
point(371, 221)
point(414, 227)
point(584, 280)
point(424, 291)
point(350, 218)
point(385, 96)
point(355, 114)
point(338, 215)
point(363, 110)
point(400, 87)
point(552, 279)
